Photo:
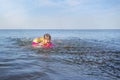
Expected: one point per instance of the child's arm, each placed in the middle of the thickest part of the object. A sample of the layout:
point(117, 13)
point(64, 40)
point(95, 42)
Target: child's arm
point(41, 44)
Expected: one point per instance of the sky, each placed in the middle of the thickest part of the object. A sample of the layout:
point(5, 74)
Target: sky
point(60, 14)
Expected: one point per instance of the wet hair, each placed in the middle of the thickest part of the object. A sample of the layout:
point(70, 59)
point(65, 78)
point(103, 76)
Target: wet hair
point(48, 35)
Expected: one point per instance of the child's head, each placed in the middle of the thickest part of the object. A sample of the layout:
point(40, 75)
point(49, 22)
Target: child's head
point(47, 36)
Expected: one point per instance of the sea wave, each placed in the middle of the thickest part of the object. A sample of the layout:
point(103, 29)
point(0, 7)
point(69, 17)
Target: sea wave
point(102, 60)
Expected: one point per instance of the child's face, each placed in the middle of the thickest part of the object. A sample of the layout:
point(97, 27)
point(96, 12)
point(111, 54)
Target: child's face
point(47, 37)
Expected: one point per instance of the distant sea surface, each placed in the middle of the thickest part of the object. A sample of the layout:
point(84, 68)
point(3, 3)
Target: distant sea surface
point(76, 55)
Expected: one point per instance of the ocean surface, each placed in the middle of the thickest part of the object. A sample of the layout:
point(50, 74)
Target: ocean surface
point(76, 55)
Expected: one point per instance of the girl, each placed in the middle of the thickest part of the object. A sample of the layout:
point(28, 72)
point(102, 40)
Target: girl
point(44, 41)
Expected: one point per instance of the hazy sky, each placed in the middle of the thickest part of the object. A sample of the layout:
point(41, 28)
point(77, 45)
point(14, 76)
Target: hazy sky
point(70, 14)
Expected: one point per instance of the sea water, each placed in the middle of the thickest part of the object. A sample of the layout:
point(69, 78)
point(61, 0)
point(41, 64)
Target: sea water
point(76, 55)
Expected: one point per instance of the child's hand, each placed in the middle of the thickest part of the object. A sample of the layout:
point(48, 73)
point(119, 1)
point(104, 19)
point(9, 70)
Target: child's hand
point(41, 44)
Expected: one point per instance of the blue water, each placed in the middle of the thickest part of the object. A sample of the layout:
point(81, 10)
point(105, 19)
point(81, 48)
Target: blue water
point(77, 55)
